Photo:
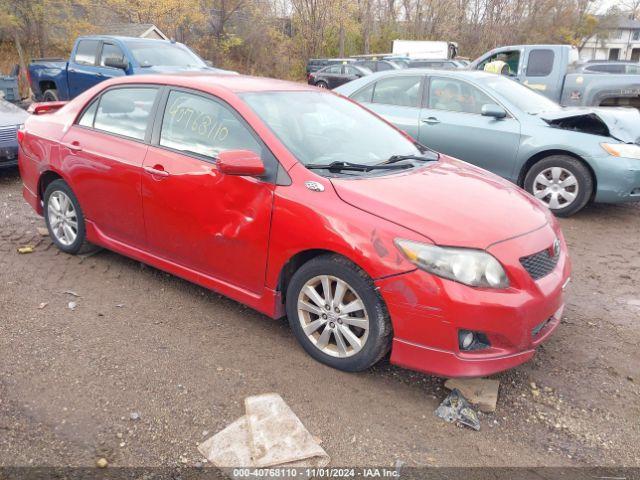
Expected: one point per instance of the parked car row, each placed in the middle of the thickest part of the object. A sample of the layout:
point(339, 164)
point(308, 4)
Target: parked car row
point(344, 211)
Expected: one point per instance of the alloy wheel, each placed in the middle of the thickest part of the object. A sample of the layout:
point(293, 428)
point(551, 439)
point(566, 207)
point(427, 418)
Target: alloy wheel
point(333, 316)
point(62, 217)
point(556, 186)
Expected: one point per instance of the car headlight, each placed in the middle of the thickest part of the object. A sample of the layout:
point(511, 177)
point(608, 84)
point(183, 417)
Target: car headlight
point(476, 268)
point(626, 150)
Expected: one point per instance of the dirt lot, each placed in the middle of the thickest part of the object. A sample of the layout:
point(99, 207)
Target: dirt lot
point(184, 358)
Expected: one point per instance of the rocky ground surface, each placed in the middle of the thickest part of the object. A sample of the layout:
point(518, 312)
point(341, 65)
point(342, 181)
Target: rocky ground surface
point(145, 366)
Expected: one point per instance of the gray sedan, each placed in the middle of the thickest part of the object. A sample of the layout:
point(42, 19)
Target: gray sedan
point(10, 118)
point(565, 157)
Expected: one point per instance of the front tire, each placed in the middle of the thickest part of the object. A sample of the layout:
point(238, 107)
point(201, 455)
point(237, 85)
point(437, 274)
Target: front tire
point(64, 219)
point(562, 182)
point(50, 95)
point(337, 315)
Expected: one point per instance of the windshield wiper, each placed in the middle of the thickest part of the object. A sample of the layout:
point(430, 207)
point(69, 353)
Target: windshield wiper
point(428, 157)
point(354, 167)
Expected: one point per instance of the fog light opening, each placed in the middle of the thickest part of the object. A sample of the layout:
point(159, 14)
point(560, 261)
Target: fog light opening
point(470, 341)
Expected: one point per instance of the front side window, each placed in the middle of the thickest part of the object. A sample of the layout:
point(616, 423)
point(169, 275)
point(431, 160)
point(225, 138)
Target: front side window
point(456, 96)
point(402, 91)
point(321, 128)
point(200, 125)
point(86, 52)
point(151, 54)
point(540, 63)
point(125, 111)
point(510, 57)
point(111, 51)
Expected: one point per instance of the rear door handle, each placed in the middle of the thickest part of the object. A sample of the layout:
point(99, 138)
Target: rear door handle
point(431, 120)
point(73, 146)
point(157, 171)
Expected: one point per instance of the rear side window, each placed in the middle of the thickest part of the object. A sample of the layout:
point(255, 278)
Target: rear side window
point(540, 63)
point(195, 124)
point(365, 94)
point(111, 51)
point(402, 91)
point(125, 111)
point(382, 66)
point(87, 118)
point(86, 52)
point(334, 69)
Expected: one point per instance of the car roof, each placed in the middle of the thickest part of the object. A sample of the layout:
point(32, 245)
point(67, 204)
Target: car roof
point(205, 80)
point(126, 39)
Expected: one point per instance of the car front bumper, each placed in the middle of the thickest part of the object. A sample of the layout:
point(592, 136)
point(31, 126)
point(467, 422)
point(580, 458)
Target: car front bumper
point(427, 312)
point(617, 179)
point(8, 156)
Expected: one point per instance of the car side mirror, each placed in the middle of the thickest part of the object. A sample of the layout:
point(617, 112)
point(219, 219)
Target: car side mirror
point(240, 162)
point(208, 63)
point(493, 110)
point(114, 62)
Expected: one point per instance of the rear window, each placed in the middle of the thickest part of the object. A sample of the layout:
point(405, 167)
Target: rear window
point(125, 111)
point(540, 63)
point(86, 52)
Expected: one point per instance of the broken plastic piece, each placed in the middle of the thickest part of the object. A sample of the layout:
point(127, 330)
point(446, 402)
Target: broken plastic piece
point(455, 408)
point(269, 435)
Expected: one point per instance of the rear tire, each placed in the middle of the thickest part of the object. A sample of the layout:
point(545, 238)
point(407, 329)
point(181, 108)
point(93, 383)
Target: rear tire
point(64, 219)
point(348, 328)
point(50, 95)
point(562, 182)
point(322, 84)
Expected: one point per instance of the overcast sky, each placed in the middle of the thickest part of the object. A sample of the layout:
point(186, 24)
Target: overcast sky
point(604, 5)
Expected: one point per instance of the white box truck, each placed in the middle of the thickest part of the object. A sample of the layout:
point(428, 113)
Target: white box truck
point(425, 49)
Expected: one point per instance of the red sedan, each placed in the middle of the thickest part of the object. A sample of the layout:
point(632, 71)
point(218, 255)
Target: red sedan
point(298, 202)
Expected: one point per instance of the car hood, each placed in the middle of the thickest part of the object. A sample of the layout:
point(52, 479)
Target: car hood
point(449, 201)
point(623, 124)
point(168, 69)
point(10, 114)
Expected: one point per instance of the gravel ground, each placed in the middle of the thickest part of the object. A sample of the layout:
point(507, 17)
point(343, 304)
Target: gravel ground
point(183, 359)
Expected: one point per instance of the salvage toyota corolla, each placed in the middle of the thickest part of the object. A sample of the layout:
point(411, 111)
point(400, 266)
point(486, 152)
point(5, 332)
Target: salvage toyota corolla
point(298, 202)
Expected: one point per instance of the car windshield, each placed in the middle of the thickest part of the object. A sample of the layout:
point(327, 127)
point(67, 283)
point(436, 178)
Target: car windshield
point(320, 128)
point(522, 97)
point(165, 55)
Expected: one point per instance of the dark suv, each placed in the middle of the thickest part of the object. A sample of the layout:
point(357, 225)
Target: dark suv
point(378, 65)
point(335, 75)
point(315, 64)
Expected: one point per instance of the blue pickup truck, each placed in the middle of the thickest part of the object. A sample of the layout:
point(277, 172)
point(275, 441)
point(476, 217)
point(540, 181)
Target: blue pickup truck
point(97, 58)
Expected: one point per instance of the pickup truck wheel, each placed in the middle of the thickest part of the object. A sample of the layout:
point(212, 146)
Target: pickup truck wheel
point(64, 219)
point(562, 182)
point(337, 315)
point(50, 95)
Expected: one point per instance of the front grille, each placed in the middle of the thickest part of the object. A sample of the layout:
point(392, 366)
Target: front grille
point(8, 135)
point(540, 264)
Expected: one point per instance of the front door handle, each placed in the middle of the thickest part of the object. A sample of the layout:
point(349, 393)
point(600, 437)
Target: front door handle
point(157, 171)
point(431, 120)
